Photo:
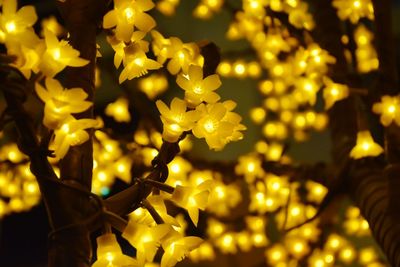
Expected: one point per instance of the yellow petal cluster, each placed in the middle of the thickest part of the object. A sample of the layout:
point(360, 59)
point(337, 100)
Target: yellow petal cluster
point(109, 253)
point(197, 89)
point(60, 103)
point(218, 125)
point(176, 119)
point(354, 10)
point(128, 15)
point(192, 198)
point(71, 133)
point(389, 109)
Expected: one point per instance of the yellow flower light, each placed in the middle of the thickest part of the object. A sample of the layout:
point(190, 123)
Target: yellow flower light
point(181, 55)
point(354, 9)
point(177, 247)
point(122, 169)
point(365, 146)
point(176, 120)
point(119, 110)
point(123, 49)
point(109, 254)
point(276, 254)
point(250, 167)
point(306, 90)
point(145, 239)
point(218, 125)
point(153, 85)
point(389, 108)
point(198, 89)
point(192, 198)
point(301, 18)
point(334, 92)
point(16, 25)
point(136, 63)
point(205, 252)
point(57, 55)
point(167, 7)
point(71, 133)
point(60, 103)
point(127, 15)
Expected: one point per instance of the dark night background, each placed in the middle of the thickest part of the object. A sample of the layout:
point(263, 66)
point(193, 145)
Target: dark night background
point(23, 236)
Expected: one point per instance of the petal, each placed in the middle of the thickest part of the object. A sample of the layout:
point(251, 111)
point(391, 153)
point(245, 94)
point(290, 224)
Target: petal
point(152, 64)
point(124, 32)
point(9, 7)
point(76, 93)
point(81, 107)
point(50, 39)
point(42, 93)
point(28, 14)
point(217, 111)
point(62, 149)
point(117, 60)
point(173, 67)
point(110, 19)
point(54, 87)
point(178, 106)
point(184, 83)
point(194, 215)
point(145, 5)
point(124, 75)
point(163, 108)
point(144, 22)
point(77, 62)
point(211, 97)
point(195, 73)
point(212, 82)
point(198, 131)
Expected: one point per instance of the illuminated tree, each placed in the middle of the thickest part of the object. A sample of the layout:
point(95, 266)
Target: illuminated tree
point(318, 64)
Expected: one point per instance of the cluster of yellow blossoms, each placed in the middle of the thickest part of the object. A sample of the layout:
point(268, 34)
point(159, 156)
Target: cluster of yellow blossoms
point(206, 117)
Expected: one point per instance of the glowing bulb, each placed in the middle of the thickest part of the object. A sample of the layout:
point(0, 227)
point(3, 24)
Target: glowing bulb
point(366, 146)
point(65, 128)
point(139, 62)
point(391, 108)
point(357, 4)
point(56, 53)
point(11, 27)
point(128, 12)
point(198, 90)
point(209, 126)
point(251, 167)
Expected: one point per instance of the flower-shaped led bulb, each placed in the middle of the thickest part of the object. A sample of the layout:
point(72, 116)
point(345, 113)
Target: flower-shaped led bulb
point(192, 198)
point(71, 133)
point(176, 119)
point(15, 25)
point(365, 146)
point(128, 14)
point(198, 89)
point(334, 92)
point(145, 239)
point(176, 247)
point(119, 110)
point(136, 63)
point(109, 253)
point(389, 108)
point(60, 103)
point(57, 55)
